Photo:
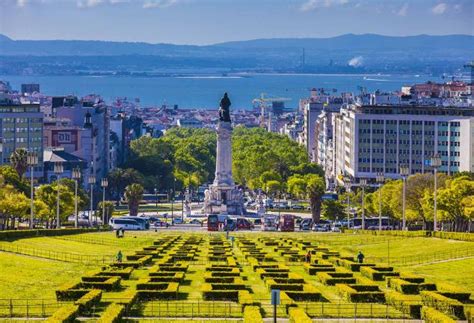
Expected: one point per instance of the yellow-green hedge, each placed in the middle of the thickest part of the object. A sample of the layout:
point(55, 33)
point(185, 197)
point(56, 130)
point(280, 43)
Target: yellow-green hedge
point(252, 315)
point(112, 314)
point(297, 315)
point(431, 315)
point(66, 314)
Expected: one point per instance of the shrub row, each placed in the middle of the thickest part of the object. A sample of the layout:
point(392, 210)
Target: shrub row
point(112, 314)
point(111, 283)
point(431, 315)
point(332, 279)
point(463, 236)
point(19, 234)
point(70, 292)
point(157, 291)
point(354, 266)
point(403, 303)
point(406, 287)
point(443, 304)
point(252, 315)
point(378, 273)
point(313, 269)
point(357, 293)
point(297, 315)
point(86, 302)
point(66, 314)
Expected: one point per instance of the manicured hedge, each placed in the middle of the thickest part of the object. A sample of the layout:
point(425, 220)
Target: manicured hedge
point(405, 304)
point(108, 283)
point(378, 273)
point(112, 314)
point(156, 291)
point(357, 293)
point(19, 234)
point(406, 287)
point(252, 315)
point(66, 314)
point(297, 315)
point(431, 315)
point(86, 302)
point(443, 304)
point(70, 292)
point(317, 268)
point(332, 279)
point(354, 266)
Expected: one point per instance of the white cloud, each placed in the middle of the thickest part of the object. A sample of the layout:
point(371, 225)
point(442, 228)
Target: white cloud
point(403, 10)
point(148, 4)
point(315, 4)
point(21, 3)
point(356, 61)
point(88, 3)
point(439, 9)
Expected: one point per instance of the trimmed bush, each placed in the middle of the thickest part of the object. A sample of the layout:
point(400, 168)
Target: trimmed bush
point(405, 287)
point(108, 284)
point(443, 304)
point(354, 266)
point(313, 269)
point(112, 314)
point(158, 291)
point(332, 279)
point(378, 273)
point(252, 315)
point(297, 315)
point(245, 299)
point(357, 293)
point(405, 304)
point(86, 302)
point(66, 314)
point(70, 292)
point(431, 315)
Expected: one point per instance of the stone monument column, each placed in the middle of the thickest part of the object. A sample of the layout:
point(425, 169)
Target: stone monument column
point(223, 195)
point(223, 175)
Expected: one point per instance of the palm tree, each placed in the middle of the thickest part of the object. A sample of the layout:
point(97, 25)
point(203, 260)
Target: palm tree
point(133, 194)
point(18, 160)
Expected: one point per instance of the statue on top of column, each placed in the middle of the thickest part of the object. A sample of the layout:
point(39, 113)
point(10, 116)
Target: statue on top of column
point(224, 109)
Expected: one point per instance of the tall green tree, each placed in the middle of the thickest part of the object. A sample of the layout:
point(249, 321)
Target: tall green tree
point(333, 210)
point(119, 178)
point(47, 194)
point(18, 160)
point(134, 194)
point(315, 188)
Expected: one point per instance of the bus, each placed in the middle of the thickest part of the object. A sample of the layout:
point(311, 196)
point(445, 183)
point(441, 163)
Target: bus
point(270, 222)
point(125, 224)
point(212, 222)
point(287, 223)
point(371, 223)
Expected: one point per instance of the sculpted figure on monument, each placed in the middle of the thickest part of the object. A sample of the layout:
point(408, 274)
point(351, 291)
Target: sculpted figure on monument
point(224, 109)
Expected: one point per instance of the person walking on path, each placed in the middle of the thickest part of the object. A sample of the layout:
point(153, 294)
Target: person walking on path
point(308, 257)
point(360, 257)
point(119, 256)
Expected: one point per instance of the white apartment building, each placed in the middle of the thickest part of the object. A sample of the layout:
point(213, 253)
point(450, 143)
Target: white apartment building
point(374, 138)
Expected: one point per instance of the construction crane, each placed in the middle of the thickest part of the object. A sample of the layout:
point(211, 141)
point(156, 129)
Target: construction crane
point(264, 102)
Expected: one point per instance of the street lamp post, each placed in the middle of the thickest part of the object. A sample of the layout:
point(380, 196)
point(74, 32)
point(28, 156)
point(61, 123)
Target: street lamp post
point(347, 185)
point(404, 172)
point(76, 176)
point(172, 202)
point(104, 183)
point(435, 163)
point(156, 199)
point(91, 182)
point(363, 183)
point(58, 170)
point(32, 161)
point(380, 179)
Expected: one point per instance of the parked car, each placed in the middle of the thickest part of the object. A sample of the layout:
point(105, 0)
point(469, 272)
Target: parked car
point(178, 221)
point(195, 221)
point(297, 207)
point(125, 224)
point(321, 227)
point(306, 224)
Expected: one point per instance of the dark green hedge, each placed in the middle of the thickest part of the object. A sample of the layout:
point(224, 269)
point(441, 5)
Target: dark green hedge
point(19, 234)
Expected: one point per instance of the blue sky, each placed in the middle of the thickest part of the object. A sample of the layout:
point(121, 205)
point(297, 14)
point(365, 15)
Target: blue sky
point(212, 21)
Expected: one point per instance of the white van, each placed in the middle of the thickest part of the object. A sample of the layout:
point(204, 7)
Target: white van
point(125, 224)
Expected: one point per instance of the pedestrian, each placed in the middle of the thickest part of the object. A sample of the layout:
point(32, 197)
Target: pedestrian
point(360, 257)
point(119, 256)
point(117, 235)
point(308, 257)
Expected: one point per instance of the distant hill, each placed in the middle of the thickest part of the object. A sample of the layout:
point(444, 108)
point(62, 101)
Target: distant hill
point(342, 54)
point(349, 42)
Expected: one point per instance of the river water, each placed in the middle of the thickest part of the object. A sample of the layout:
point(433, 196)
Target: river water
point(205, 91)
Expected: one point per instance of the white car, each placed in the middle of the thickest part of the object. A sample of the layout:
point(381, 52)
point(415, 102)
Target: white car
point(125, 224)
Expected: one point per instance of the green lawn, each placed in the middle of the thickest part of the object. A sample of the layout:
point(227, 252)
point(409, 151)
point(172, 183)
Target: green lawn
point(456, 272)
point(28, 277)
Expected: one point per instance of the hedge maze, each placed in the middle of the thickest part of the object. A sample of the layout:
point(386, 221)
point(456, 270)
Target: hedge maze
point(184, 275)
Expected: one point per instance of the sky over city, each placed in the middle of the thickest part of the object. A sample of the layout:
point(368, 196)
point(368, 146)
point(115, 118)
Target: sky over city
point(213, 21)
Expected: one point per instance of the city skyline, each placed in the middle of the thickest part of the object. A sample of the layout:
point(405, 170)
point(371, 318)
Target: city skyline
point(176, 21)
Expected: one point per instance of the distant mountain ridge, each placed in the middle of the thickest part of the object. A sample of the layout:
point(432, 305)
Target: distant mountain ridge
point(350, 42)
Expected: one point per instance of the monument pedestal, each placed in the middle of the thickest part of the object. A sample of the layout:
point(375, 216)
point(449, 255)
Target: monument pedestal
point(223, 196)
